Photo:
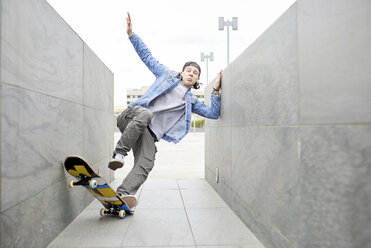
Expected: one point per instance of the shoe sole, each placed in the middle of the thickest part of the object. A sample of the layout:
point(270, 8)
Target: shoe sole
point(114, 165)
point(130, 201)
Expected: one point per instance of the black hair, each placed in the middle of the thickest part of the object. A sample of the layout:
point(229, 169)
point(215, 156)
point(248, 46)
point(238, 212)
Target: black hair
point(192, 63)
point(196, 85)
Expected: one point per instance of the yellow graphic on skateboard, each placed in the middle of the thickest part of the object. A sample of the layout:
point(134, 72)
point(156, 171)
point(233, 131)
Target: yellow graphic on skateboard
point(96, 185)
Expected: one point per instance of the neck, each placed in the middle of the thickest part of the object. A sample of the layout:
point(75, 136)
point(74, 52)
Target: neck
point(186, 85)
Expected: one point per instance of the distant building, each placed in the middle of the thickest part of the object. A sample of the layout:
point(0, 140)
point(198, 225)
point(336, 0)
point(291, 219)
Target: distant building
point(118, 110)
point(134, 94)
point(200, 94)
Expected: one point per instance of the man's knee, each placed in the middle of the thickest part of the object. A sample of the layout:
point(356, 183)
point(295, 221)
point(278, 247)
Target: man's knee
point(145, 166)
point(145, 116)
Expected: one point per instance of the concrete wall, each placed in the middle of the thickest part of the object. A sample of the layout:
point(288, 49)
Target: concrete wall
point(56, 100)
point(293, 144)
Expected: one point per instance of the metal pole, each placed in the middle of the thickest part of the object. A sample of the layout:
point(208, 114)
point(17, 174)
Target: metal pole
point(207, 71)
point(228, 45)
point(227, 23)
point(194, 124)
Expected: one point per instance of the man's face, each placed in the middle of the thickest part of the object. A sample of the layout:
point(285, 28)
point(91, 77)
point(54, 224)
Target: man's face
point(190, 76)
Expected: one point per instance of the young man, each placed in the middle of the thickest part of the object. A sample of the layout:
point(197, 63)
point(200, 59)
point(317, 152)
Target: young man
point(163, 112)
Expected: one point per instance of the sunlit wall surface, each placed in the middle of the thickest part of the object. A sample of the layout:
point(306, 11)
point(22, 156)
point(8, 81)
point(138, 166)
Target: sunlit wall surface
point(293, 144)
point(56, 100)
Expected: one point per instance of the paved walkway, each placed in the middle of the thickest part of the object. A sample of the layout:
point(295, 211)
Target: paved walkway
point(172, 212)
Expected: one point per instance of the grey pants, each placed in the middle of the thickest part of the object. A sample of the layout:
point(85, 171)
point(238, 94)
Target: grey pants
point(133, 124)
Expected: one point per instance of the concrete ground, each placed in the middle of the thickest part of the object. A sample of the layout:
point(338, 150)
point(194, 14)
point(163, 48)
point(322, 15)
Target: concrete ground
point(174, 161)
point(177, 208)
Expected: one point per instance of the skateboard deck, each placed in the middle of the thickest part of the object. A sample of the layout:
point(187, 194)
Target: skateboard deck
point(80, 169)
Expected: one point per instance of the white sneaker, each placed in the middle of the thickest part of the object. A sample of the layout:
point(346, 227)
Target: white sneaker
point(116, 162)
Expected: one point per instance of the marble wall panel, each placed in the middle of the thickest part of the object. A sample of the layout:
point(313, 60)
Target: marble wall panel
point(39, 51)
point(102, 168)
point(335, 186)
point(220, 147)
point(223, 189)
point(1, 89)
point(261, 227)
point(265, 77)
point(43, 120)
point(38, 220)
point(111, 144)
point(218, 155)
point(98, 82)
point(265, 174)
point(37, 133)
point(207, 149)
point(97, 128)
point(334, 40)
point(300, 129)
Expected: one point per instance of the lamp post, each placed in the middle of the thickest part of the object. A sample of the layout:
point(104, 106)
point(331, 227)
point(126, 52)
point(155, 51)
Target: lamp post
point(227, 23)
point(207, 57)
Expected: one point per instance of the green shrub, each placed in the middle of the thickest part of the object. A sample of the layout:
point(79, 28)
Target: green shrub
point(199, 123)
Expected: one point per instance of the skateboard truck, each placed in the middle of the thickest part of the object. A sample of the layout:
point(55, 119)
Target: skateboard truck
point(83, 181)
point(113, 211)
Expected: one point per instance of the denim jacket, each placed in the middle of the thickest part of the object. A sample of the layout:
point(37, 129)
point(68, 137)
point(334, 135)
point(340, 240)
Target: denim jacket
point(165, 81)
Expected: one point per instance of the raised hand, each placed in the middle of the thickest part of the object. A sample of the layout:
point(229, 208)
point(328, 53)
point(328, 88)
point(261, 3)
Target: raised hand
point(129, 27)
point(218, 81)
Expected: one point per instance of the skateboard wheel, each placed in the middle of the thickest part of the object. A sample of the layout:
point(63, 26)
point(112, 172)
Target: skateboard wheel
point(102, 212)
point(122, 214)
point(71, 183)
point(93, 184)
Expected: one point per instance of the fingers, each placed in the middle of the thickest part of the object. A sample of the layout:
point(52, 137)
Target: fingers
point(220, 74)
point(219, 80)
point(129, 29)
point(128, 19)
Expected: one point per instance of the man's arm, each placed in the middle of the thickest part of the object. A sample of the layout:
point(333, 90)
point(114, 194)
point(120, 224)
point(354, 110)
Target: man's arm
point(144, 53)
point(213, 111)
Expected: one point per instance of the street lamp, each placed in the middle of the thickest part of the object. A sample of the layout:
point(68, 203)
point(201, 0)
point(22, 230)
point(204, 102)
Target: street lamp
point(207, 57)
point(222, 24)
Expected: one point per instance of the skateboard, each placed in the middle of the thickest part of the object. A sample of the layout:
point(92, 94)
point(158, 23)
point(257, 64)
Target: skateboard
point(96, 185)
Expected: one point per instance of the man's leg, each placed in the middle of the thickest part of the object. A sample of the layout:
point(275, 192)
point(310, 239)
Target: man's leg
point(144, 154)
point(132, 122)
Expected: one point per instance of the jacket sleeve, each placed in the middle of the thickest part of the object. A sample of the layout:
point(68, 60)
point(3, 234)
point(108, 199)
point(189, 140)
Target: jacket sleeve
point(211, 112)
point(146, 56)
